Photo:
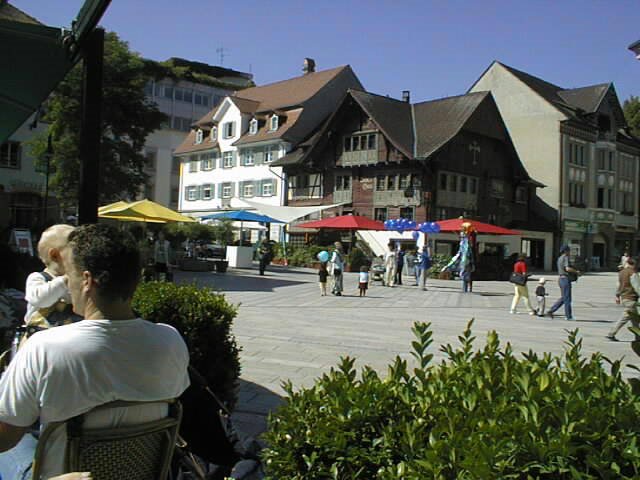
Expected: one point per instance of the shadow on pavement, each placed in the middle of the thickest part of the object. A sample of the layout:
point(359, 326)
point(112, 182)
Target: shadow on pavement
point(236, 281)
point(255, 402)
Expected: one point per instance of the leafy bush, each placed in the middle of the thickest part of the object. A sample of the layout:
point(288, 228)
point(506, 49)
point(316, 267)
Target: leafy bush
point(483, 414)
point(356, 259)
point(204, 319)
point(306, 255)
point(438, 263)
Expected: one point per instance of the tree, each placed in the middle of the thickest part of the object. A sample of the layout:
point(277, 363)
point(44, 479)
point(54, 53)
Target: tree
point(631, 108)
point(127, 119)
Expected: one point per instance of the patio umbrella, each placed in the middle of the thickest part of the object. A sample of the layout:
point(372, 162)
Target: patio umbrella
point(142, 211)
point(242, 216)
point(345, 222)
point(455, 225)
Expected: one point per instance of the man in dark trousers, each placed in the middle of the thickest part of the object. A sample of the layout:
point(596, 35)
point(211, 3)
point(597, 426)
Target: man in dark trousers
point(265, 253)
point(627, 296)
point(399, 266)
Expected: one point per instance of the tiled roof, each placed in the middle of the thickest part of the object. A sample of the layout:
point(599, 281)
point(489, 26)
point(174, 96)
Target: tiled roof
point(245, 105)
point(9, 12)
point(189, 144)
point(392, 116)
point(289, 93)
point(264, 134)
point(438, 121)
point(585, 98)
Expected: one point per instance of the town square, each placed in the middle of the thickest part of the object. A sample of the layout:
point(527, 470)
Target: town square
point(300, 240)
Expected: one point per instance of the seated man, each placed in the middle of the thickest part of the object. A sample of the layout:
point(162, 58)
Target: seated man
point(110, 355)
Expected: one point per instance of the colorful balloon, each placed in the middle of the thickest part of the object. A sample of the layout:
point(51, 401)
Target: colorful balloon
point(323, 256)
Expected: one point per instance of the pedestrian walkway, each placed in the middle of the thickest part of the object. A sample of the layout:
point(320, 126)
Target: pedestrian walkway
point(287, 331)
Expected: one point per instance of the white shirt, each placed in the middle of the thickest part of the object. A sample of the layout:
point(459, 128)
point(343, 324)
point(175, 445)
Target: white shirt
point(65, 371)
point(41, 294)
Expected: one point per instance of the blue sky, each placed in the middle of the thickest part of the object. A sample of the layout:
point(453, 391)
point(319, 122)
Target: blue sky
point(432, 48)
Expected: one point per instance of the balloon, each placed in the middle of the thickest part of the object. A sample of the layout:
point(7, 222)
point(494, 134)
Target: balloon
point(435, 228)
point(425, 228)
point(323, 256)
point(415, 235)
point(411, 224)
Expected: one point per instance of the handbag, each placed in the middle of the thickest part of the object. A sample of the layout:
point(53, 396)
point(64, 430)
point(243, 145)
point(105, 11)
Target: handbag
point(573, 276)
point(518, 278)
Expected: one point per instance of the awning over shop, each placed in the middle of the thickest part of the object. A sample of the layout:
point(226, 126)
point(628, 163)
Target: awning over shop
point(36, 58)
point(287, 214)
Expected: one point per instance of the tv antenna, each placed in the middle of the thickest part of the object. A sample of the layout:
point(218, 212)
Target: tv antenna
point(221, 53)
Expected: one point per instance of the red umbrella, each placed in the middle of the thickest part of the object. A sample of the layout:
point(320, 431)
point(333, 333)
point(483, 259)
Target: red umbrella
point(455, 225)
point(345, 222)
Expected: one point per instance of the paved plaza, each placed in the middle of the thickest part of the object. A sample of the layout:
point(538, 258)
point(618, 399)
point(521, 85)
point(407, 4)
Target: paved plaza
point(287, 331)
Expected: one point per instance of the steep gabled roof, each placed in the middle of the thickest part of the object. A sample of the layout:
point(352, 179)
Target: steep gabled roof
point(438, 121)
point(392, 116)
point(292, 92)
point(587, 98)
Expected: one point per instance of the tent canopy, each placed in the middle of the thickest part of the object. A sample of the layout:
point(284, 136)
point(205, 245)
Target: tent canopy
point(345, 222)
point(455, 225)
point(286, 214)
point(241, 215)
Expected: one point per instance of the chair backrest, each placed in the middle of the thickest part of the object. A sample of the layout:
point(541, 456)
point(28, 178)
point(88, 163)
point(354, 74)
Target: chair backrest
point(134, 452)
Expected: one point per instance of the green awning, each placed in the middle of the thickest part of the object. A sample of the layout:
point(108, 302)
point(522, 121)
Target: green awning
point(34, 60)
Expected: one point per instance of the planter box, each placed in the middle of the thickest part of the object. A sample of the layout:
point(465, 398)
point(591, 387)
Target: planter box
point(196, 265)
point(444, 275)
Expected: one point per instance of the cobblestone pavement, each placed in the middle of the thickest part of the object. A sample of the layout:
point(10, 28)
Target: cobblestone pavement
point(287, 331)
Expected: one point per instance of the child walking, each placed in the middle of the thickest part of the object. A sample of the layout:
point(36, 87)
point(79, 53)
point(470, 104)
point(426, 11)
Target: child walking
point(541, 293)
point(363, 283)
point(323, 273)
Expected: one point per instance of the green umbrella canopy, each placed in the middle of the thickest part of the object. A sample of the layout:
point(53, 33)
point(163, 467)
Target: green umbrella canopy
point(35, 59)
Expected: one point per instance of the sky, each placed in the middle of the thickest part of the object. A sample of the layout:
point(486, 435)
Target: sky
point(433, 48)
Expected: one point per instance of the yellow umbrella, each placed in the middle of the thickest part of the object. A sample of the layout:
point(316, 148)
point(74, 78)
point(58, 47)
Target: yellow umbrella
point(143, 211)
point(112, 206)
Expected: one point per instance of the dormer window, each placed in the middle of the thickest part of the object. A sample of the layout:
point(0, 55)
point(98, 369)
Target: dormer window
point(213, 135)
point(273, 123)
point(253, 126)
point(198, 136)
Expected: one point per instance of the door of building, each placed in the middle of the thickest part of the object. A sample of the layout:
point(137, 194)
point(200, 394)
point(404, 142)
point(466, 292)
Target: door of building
point(598, 252)
point(533, 248)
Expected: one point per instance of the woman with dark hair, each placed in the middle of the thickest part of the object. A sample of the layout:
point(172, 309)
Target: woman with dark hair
point(627, 295)
point(521, 291)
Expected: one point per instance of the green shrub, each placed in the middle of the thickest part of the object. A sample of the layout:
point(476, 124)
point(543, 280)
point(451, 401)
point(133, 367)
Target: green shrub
point(356, 259)
point(305, 256)
point(484, 414)
point(204, 319)
point(438, 263)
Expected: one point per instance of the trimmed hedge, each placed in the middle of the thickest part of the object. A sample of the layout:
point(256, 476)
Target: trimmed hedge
point(204, 319)
point(485, 414)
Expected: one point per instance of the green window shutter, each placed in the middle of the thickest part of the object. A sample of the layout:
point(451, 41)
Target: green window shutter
point(258, 156)
point(241, 189)
point(235, 159)
point(257, 188)
point(199, 190)
point(186, 193)
point(274, 184)
point(219, 190)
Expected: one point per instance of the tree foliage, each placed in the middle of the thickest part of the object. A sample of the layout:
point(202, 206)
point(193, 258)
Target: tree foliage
point(631, 108)
point(127, 119)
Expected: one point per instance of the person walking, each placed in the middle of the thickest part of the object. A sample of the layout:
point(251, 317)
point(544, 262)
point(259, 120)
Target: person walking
point(161, 257)
point(628, 297)
point(521, 291)
point(266, 254)
point(337, 268)
point(564, 282)
point(541, 296)
point(399, 266)
point(390, 266)
point(423, 267)
point(323, 273)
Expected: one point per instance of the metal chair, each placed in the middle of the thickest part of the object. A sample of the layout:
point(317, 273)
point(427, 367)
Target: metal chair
point(133, 452)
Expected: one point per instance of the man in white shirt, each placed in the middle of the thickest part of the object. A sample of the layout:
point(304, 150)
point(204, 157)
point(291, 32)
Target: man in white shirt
point(110, 355)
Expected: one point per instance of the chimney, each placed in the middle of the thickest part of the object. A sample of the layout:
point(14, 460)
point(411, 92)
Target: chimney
point(309, 66)
point(406, 96)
